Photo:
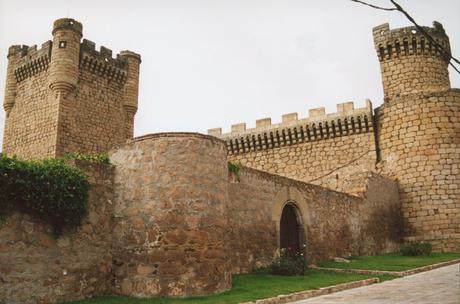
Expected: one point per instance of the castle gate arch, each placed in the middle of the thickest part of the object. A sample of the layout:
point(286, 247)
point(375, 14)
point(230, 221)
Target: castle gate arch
point(289, 229)
point(291, 217)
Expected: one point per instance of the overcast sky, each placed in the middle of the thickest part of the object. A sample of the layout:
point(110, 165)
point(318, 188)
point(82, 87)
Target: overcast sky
point(213, 63)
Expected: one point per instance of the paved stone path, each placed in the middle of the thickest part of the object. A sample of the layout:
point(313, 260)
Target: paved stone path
point(438, 286)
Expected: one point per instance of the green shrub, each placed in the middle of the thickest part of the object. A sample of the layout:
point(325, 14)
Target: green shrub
point(235, 168)
point(416, 248)
point(289, 264)
point(50, 190)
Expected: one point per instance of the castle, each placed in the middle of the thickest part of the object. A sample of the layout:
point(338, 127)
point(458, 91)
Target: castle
point(168, 218)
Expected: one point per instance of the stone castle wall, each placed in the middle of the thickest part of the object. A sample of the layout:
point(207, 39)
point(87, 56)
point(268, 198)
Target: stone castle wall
point(168, 219)
point(332, 223)
point(68, 97)
point(35, 267)
point(419, 145)
point(171, 216)
point(332, 150)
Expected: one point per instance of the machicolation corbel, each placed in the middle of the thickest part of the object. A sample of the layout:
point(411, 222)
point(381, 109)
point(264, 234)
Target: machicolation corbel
point(32, 61)
point(409, 41)
point(317, 126)
point(102, 63)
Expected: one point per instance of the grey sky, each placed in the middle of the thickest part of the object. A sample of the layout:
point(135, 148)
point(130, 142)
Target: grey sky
point(213, 63)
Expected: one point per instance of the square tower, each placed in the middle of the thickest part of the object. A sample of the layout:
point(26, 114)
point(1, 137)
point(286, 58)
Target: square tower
point(68, 97)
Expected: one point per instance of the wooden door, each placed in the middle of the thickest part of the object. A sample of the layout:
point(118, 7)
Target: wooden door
point(289, 230)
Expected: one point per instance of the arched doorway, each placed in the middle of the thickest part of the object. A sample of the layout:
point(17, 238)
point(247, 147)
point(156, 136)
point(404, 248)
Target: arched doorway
point(289, 230)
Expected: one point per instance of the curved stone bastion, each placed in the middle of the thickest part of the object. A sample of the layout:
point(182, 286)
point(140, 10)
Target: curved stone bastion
point(170, 216)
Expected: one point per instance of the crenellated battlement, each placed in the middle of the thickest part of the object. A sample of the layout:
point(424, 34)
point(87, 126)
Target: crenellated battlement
point(17, 50)
point(409, 41)
point(102, 63)
point(292, 130)
point(30, 61)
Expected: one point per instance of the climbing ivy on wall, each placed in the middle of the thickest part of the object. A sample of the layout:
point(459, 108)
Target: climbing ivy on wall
point(49, 189)
point(235, 168)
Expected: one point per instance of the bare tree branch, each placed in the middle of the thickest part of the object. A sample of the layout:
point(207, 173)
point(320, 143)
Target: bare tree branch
point(399, 8)
point(375, 6)
point(422, 30)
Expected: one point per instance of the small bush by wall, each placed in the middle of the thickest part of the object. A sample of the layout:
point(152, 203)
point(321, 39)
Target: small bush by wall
point(49, 189)
point(289, 264)
point(416, 248)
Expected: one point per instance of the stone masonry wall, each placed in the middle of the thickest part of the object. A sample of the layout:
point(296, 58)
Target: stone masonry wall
point(35, 267)
point(334, 150)
point(171, 216)
point(408, 75)
point(332, 223)
point(419, 144)
point(92, 118)
point(339, 164)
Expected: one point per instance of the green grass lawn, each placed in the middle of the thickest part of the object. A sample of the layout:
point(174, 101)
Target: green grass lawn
point(392, 262)
point(248, 287)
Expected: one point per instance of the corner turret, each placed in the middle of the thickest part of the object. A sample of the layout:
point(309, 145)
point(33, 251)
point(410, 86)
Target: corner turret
point(410, 62)
point(14, 52)
point(65, 56)
point(131, 92)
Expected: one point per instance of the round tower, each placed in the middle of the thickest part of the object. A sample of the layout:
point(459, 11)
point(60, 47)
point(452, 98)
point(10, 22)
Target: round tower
point(65, 54)
point(131, 90)
point(170, 216)
point(418, 132)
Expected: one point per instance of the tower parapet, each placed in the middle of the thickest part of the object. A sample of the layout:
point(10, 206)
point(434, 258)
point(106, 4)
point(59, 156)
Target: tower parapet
point(24, 62)
point(410, 62)
point(317, 126)
point(101, 62)
point(32, 61)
